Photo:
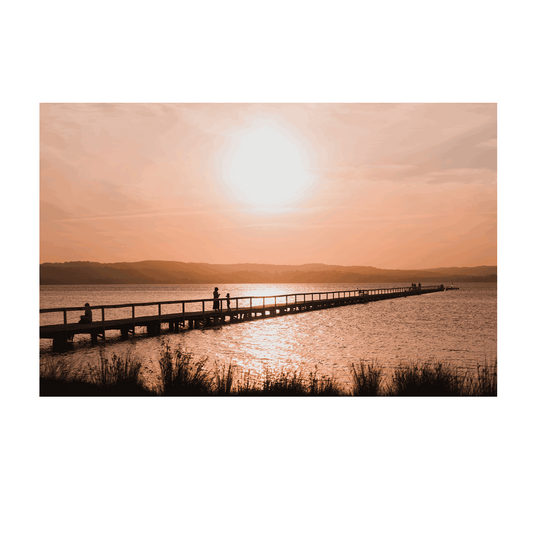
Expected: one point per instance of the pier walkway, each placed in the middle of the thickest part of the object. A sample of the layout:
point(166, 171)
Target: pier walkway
point(191, 314)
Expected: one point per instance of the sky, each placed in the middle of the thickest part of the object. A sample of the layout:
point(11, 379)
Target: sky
point(383, 185)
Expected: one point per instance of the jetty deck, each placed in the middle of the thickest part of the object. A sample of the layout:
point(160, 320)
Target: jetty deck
point(193, 314)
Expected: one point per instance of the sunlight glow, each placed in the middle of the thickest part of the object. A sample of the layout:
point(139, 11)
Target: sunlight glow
point(267, 168)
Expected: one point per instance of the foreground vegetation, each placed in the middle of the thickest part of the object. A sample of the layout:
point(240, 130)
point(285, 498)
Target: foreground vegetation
point(118, 376)
point(184, 375)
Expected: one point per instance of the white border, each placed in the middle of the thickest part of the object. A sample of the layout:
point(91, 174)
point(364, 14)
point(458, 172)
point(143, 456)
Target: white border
point(29, 98)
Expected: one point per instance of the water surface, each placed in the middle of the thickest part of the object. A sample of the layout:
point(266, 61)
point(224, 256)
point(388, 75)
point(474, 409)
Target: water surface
point(454, 326)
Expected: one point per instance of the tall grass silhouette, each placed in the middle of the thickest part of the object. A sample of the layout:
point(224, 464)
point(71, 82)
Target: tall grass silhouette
point(366, 379)
point(118, 376)
point(182, 374)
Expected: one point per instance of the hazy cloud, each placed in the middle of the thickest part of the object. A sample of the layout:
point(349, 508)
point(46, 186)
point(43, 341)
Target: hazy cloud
point(146, 181)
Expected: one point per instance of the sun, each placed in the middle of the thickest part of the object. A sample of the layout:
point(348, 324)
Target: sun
point(267, 168)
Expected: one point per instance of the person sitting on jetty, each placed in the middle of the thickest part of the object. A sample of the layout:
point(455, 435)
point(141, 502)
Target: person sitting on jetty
point(216, 296)
point(87, 318)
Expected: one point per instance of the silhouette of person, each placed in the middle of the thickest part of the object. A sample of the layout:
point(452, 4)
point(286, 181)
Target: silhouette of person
point(227, 299)
point(87, 318)
point(216, 295)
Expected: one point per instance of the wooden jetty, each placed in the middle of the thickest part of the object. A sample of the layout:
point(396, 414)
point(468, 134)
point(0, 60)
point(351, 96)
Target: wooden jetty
point(194, 314)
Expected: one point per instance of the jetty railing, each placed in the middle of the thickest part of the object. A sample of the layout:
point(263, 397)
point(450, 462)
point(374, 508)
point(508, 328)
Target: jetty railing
point(236, 303)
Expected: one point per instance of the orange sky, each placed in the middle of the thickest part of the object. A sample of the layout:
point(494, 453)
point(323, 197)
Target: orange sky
point(384, 185)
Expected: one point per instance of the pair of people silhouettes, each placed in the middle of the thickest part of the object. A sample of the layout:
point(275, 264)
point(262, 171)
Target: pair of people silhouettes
point(216, 302)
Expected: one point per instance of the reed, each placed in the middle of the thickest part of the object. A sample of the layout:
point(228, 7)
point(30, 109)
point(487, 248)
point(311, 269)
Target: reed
point(59, 376)
point(246, 385)
point(117, 376)
point(318, 385)
point(181, 375)
point(487, 380)
point(293, 383)
point(366, 379)
point(283, 383)
point(184, 375)
point(58, 369)
point(224, 380)
point(430, 378)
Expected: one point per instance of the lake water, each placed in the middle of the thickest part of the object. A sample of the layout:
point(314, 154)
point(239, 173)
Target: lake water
point(455, 326)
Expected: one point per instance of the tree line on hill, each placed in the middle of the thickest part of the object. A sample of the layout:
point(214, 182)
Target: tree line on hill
point(175, 272)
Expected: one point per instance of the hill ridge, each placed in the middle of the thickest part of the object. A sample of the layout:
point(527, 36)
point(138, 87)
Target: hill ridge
point(174, 272)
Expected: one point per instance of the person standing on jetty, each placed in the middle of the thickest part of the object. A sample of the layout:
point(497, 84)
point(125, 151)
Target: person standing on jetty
point(216, 296)
point(227, 299)
point(87, 318)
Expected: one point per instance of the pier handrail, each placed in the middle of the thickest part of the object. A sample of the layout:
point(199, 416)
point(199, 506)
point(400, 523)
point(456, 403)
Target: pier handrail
point(351, 293)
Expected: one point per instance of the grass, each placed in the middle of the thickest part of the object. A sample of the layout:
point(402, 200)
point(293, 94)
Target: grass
point(487, 380)
point(366, 379)
point(118, 376)
point(427, 379)
point(323, 385)
point(58, 378)
point(225, 379)
point(296, 383)
point(441, 379)
point(181, 374)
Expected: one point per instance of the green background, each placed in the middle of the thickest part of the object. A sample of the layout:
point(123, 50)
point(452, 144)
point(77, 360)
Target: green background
point(260, 474)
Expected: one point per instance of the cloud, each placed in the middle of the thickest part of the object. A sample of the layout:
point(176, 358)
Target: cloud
point(461, 175)
point(491, 143)
point(385, 172)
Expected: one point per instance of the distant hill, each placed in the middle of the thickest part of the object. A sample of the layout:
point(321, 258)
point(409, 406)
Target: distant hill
point(173, 272)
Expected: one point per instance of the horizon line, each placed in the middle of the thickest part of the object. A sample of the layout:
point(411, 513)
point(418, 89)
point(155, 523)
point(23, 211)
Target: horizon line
point(254, 263)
